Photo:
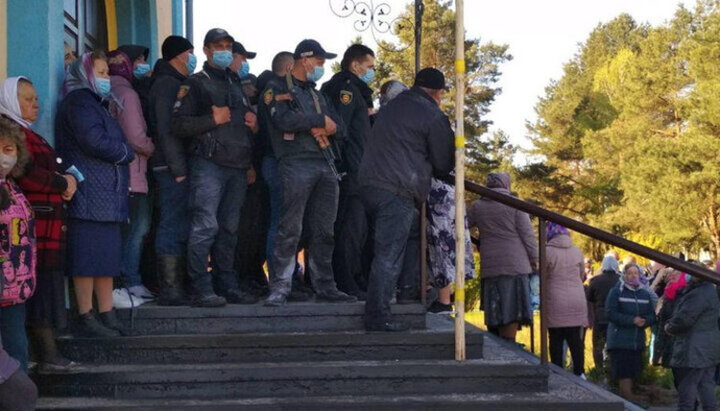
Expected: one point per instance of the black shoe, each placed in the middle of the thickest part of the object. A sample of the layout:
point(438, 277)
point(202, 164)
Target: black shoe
point(209, 300)
point(408, 296)
point(359, 294)
point(335, 296)
point(390, 326)
point(89, 326)
point(275, 300)
point(238, 297)
point(439, 308)
point(299, 296)
point(109, 320)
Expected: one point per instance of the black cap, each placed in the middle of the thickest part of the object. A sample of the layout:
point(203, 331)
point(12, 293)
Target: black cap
point(311, 48)
point(431, 78)
point(134, 51)
point(174, 45)
point(238, 48)
point(215, 35)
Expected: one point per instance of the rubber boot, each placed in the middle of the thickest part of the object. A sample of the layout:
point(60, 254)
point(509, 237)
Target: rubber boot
point(171, 272)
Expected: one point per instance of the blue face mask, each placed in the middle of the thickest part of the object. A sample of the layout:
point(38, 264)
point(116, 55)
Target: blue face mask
point(192, 62)
point(316, 74)
point(222, 58)
point(102, 87)
point(141, 70)
point(244, 70)
point(368, 76)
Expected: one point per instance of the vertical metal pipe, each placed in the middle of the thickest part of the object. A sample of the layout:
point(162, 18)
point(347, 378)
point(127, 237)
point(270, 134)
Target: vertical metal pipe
point(459, 180)
point(543, 292)
point(419, 9)
point(189, 20)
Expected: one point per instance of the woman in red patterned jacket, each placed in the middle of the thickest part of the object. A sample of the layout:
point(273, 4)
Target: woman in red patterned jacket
point(45, 187)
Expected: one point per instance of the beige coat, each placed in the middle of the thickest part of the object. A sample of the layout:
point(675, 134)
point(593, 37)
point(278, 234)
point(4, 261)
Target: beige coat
point(564, 268)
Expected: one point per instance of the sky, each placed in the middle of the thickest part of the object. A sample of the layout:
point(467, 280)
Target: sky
point(542, 35)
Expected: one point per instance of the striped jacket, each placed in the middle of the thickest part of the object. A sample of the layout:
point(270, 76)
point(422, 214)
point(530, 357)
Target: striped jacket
point(622, 305)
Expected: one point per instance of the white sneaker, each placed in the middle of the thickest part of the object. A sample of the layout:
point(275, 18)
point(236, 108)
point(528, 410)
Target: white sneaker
point(122, 299)
point(141, 291)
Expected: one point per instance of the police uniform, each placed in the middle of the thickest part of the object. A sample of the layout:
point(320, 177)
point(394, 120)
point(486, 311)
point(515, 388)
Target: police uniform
point(352, 98)
point(220, 158)
point(309, 187)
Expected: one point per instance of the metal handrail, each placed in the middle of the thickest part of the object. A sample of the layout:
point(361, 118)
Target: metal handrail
point(596, 233)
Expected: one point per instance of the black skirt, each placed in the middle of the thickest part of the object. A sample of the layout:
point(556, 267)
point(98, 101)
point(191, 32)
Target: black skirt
point(506, 300)
point(625, 364)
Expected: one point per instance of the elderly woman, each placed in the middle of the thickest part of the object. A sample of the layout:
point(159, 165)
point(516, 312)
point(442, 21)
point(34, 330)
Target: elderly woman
point(91, 140)
point(45, 187)
point(508, 254)
point(566, 309)
point(696, 351)
point(629, 310)
point(128, 112)
point(596, 293)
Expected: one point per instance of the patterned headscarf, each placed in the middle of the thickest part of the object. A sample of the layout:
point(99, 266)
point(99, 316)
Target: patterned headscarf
point(80, 75)
point(120, 65)
point(9, 104)
point(554, 230)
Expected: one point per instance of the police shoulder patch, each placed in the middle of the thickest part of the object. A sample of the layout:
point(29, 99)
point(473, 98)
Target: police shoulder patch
point(182, 92)
point(346, 97)
point(268, 96)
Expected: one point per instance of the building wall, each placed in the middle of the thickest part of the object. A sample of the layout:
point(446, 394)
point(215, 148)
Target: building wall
point(3, 39)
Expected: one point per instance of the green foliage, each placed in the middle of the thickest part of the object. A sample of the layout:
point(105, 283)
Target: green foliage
point(482, 62)
point(629, 138)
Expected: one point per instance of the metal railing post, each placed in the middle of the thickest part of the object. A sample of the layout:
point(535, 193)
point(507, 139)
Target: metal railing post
point(423, 254)
point(543, 292)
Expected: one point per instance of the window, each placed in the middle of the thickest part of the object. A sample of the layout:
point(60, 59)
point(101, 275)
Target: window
point(85, 25)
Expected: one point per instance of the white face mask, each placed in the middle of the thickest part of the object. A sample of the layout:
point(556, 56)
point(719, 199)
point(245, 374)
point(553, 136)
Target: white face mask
point(7, 163)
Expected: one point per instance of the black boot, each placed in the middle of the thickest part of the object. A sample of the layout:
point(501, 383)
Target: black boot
point(89, 326)
point(109, 320)
point(237, 296)
point(50, 358)
point(209, 300)
point(335, 296)
point(171, 270)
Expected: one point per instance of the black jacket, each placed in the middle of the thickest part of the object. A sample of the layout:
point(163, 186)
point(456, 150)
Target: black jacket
point(597, 293)
point(410, 142)
point(695, 327)
point(293, 114)
point(170, 151)
point(351, 98)
point(229, 144)
point(263, 146)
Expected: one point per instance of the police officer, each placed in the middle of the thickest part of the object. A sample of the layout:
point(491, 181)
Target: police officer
point(304, 125)
point(169, 165)
point(411, 142)
point(349, 93)
point(211, 110)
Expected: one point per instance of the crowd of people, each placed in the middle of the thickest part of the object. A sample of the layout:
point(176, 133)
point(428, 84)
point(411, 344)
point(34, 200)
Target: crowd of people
point(231, 171)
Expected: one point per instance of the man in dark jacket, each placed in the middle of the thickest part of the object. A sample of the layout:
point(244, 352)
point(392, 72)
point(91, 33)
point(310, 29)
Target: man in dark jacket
point(596, 293)
point(303, 127)
point(411, 142)
point(170, 168)
point(212, 111)
point(696, 351)
point(349, 93)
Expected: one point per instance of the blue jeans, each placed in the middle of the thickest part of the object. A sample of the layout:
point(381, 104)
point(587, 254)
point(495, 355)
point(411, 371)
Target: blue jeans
point(392, 217)
point(174, 226)
point(133, 234)
point(309, 201)
point(12, 330)
point(216, 197)
point(272, 179)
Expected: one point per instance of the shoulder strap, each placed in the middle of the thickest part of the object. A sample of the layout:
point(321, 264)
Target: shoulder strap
point(316, 101)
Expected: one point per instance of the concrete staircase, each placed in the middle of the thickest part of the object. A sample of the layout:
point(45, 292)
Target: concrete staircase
point(303, 356)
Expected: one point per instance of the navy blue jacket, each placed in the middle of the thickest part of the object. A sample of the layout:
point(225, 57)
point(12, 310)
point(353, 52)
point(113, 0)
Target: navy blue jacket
point(621, 307)
point(91, 140)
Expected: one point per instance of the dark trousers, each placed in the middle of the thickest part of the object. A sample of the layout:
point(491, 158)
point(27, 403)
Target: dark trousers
point(392, 217)
point(351, 227)
point(14, 337)
point(252, 232)
point(18, 393)
point(309, 204)
point(573, 336)
point(133, 233)
point(173, 228)
point(694, 384)
point(216, 197)
point(599, 338)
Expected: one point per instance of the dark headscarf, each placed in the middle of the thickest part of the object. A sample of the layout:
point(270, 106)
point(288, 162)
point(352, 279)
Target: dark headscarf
point(120, 64)
point(498, 180)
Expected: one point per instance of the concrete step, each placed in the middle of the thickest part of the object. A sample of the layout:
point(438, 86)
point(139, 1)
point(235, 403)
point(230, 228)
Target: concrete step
point(269, 347)
point(296, 380)
point(469, 402)
point(292, 317)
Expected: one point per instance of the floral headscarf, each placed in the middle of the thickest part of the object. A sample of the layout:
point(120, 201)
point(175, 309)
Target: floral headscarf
point(9, 103)
point(554, 230)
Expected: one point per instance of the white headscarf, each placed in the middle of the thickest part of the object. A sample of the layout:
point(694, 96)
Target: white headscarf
point(9, 104)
